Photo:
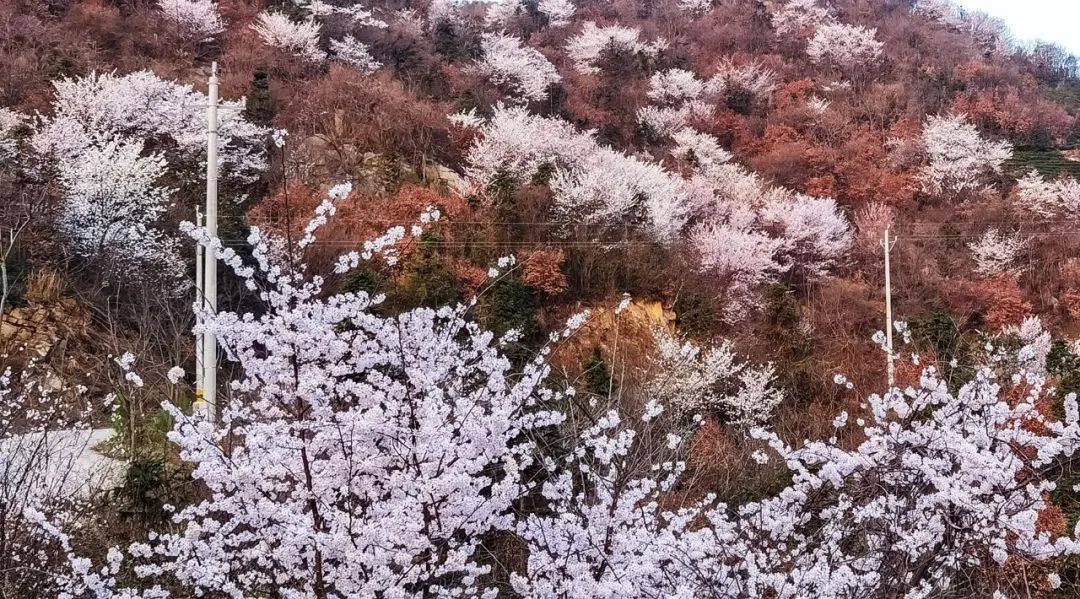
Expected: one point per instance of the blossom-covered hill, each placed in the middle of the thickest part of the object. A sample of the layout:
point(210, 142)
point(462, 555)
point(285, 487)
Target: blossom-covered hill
point(699, 187)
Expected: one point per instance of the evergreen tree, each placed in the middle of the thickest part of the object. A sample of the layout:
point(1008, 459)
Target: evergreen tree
point(260, 105)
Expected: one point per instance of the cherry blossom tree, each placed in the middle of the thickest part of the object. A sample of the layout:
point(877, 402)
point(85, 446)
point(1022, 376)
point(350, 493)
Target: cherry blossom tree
point(721, 207)
point(959, 158)
point(364, 454)
point(740, 253)
point(682, 96)
point(107, 140)
point(197, 20)
point(701, 149)
point(749, 78)
point(113, 199)
point(675, 85)
point(354, 53)
point(816, 235)
point(611, 187)
point(948, 464)
point(100, 108)
point(1048, 198)
point(516, 142)
point(692, 380)
point(300, 38)
point(558, 12)
point(995, 253)
point(586, 47)
point(799, 17)
point(44, 472)
point(695, 7)
point(353, 14)
point(10, 123)
point(845, 46)
point(523, 70)
point(942, 11)
point(400, 439)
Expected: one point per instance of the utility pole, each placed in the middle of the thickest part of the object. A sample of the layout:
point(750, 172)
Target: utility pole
point(888, 244)
point(200, 303)
point(209, 270)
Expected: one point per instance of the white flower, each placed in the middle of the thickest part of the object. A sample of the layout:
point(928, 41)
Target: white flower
point(175, 374)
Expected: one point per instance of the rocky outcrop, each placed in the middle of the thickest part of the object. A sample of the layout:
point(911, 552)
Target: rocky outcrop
point(37, 329)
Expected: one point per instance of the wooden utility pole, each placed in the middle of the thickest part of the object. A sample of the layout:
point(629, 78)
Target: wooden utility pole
point(888, 244)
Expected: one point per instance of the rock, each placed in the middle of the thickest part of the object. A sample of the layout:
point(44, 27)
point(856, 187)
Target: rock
point(37, 328)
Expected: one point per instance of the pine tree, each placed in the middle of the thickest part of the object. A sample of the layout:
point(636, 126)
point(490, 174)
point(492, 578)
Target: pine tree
point(260, 104)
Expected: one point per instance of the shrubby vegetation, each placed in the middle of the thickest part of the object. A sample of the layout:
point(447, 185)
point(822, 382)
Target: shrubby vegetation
point(594, 315)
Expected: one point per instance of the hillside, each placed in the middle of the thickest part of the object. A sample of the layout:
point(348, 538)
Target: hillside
point(485, 263)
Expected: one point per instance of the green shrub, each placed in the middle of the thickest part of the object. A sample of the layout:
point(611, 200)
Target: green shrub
point(596, 374)
point(511, 304)
point(427, 280)
point(364, 280)
point(696, 313)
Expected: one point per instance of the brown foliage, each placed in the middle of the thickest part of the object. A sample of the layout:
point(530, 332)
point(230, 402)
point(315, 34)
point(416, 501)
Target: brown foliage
point(1023, 116)
point(359, 218)
point(1006, 301)
point(371, 114)
point(543, 271)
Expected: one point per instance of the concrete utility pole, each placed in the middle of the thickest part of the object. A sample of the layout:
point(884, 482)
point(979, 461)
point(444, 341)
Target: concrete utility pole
point(888, 244)
point(209, 270)
point(200, 301)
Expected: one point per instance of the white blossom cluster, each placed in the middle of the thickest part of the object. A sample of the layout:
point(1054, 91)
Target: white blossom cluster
point(799, 17)
point(744, 230)
point(368, 455)
point(300, 38)
point(942, 11)
point(928, 497)
point(1049, 198)
point(10, 122)
point(693, 380)
point(675, 85)
point(844, 45)
point(197, 20)
point(113, 200)
point(585, 48)
point(557, 12)
point(988, 32)
point(354, 53)
point(959, 159)
point(1035, 342)
point(829, 41)
point(44, 435)
point(995, 253)
point(521, 69)
point(695, 7)
point(100, 108)
point(303, 38)
point(593, 183)
point(739, 242)
point(354, 14)
point(107, 139)
point(680, 95)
